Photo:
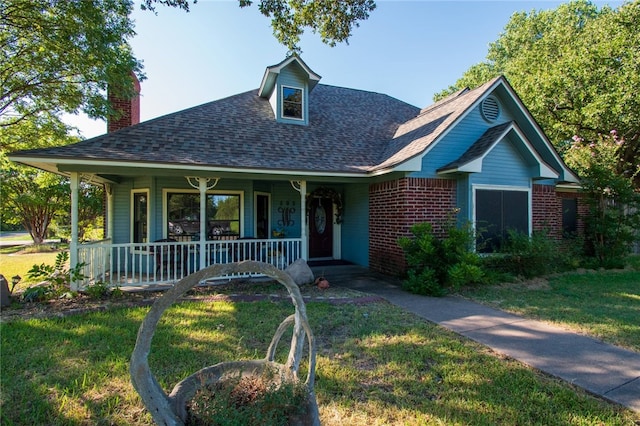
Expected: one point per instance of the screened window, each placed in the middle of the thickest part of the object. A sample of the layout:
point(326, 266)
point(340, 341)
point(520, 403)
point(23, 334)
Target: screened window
point(140, 216)
point(498, 212)
point(222, 215)
point(291, 102)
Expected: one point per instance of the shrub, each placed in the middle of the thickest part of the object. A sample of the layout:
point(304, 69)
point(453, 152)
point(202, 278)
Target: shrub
point(56, 278)
point(437, 265)
point(98, 290)
point(607, 179)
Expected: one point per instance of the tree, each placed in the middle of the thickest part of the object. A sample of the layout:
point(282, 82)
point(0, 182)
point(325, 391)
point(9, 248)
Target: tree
point(60, 56)
point(577, 70)
point(36, 199)
point(614, 206)
point(333, 20)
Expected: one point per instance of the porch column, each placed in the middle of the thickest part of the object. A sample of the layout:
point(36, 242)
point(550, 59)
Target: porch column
point(73, 244)
point(303, 220)
point(301, 187)
point(202, 186)
point(109, 191)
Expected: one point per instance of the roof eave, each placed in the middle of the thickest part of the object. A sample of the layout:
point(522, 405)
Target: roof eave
point(269, 78)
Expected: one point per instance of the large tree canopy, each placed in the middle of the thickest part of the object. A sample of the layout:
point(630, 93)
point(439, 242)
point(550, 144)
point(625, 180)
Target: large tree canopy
point(577, 69)
point(333, 20)
point(60, 56)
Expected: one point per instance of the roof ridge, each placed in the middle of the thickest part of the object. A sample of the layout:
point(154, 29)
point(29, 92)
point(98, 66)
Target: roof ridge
point(444, 100)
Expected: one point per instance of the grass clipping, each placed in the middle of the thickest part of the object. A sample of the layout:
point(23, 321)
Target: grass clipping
point(248, 400)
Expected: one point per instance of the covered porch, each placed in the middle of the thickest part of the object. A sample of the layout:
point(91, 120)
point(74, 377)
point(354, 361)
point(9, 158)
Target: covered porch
point(162, 227)
point(165, 262)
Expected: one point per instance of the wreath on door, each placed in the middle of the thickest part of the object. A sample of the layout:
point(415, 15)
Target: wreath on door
point(324, 192)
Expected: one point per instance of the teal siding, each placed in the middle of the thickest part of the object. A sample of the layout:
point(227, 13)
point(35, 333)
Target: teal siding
point(503, 166)
point(355, 228)
point(457, 141)
point(121, 232)
point(286, 199)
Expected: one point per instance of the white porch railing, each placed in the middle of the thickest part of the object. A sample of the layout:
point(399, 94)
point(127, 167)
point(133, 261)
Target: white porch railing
point(165, 262)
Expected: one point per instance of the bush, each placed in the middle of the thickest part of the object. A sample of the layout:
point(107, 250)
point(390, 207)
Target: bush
point(98, 290)
point(437, 265)
point(607, 180)
point(56, 279)
point(528, 257)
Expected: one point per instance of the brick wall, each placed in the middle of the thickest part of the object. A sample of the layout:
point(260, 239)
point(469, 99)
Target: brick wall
point(394, 206)
point(547, 210)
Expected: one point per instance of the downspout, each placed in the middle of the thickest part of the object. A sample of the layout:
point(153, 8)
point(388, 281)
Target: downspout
point(73, 244)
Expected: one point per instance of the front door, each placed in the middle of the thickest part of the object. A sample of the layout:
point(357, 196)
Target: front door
point(321, 228)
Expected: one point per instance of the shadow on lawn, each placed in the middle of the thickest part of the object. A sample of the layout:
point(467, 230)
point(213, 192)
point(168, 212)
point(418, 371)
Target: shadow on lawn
point(74, 370)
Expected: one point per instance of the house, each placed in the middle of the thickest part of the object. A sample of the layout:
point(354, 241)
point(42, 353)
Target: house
point(301, 169)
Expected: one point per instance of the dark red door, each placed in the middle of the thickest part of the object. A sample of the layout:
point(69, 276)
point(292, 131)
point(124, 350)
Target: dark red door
point(321, 228)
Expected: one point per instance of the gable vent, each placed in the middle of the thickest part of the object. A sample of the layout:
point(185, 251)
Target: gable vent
point(490, 109)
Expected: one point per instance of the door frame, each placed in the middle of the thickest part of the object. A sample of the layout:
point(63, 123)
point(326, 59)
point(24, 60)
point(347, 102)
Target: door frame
point(336, 236)
point(257, 194)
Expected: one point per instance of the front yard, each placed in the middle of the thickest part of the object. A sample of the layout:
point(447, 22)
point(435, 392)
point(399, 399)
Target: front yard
point(604, 304)
point(377, 365)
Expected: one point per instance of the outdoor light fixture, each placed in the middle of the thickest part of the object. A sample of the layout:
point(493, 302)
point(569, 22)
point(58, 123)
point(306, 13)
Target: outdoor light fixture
point(14, 281)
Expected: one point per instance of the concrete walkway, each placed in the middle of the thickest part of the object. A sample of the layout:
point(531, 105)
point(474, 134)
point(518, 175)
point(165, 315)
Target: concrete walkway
point(604, 370)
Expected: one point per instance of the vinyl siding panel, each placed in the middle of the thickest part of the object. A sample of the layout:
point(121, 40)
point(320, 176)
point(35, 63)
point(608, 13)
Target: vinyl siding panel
point(457, 141)
point(503, 166)
point(122, 212)
point(284, 197)
point(355, 228)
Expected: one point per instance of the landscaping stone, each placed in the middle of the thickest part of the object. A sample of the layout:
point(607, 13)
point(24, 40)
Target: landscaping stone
point(300, 272)
point(5, 300)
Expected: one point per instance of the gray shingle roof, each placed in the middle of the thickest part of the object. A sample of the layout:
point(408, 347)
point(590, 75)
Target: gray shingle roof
point(349, 131)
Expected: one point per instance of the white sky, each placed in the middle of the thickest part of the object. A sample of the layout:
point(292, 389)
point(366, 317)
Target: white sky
point(409, 50)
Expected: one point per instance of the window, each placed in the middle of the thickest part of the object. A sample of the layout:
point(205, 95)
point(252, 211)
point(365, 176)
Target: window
point(222, 215)
point(569, 217)
point(497, 212)
point(140, 215)
point(291, 102)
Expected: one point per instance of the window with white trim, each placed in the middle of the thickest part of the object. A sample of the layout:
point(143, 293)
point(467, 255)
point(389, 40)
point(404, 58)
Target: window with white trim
point(183, 215)
point(497, 213)
point(292, 102)
point(140, 216)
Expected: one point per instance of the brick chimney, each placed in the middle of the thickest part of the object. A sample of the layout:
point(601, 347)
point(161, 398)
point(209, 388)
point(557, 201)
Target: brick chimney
point(128, 110)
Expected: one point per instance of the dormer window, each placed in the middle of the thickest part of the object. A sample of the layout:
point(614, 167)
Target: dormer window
point(291, 103)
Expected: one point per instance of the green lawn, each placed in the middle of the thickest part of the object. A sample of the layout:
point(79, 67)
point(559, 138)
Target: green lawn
point(14, 262)
point(377, 365)
point(605, 304)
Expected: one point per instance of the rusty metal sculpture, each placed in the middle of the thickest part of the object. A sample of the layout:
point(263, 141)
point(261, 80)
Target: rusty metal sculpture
point(171, 409)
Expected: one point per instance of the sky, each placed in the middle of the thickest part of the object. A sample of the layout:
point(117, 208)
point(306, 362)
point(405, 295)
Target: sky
point(409, 50)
